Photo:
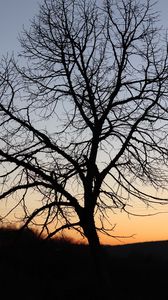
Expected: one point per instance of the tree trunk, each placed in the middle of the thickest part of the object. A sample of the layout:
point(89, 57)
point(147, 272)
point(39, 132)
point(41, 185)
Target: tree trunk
point(101, 282)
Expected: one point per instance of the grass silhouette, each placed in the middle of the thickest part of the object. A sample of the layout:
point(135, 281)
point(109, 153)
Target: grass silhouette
point(33, 268)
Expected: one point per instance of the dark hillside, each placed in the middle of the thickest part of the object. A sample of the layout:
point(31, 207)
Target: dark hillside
point(139, 271)
point(35, 269)
point(153, 250)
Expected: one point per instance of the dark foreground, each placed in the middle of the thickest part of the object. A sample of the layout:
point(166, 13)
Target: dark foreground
point(33, 269)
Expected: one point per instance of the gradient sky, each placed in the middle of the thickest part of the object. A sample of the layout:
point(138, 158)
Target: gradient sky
point(16, 13)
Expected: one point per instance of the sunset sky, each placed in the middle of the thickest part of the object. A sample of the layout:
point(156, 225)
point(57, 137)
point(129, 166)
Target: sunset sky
point(16, 13)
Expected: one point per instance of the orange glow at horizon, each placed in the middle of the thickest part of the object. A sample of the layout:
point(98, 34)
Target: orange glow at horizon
point(128, 229)
point(138, 229)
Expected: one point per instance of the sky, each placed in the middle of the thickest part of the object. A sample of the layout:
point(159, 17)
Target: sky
point(13, 15)
point(16, 13)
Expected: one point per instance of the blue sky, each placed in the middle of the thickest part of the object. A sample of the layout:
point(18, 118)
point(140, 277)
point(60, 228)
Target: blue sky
point(15, 13)
point(162, 7)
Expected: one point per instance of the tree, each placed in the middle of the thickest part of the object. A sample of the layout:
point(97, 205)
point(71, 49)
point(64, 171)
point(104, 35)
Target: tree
point(84, 122)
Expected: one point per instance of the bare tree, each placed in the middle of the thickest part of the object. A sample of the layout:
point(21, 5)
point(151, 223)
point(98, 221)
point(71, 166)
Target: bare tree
point(84, 122)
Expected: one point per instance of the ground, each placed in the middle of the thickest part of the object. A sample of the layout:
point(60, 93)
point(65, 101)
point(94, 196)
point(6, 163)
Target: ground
point(34, 269)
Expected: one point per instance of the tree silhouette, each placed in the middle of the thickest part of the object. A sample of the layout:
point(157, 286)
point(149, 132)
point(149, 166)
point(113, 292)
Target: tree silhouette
point(84, 122)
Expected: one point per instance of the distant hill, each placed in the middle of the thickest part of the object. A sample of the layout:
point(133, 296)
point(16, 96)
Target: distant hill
point(156, 250)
